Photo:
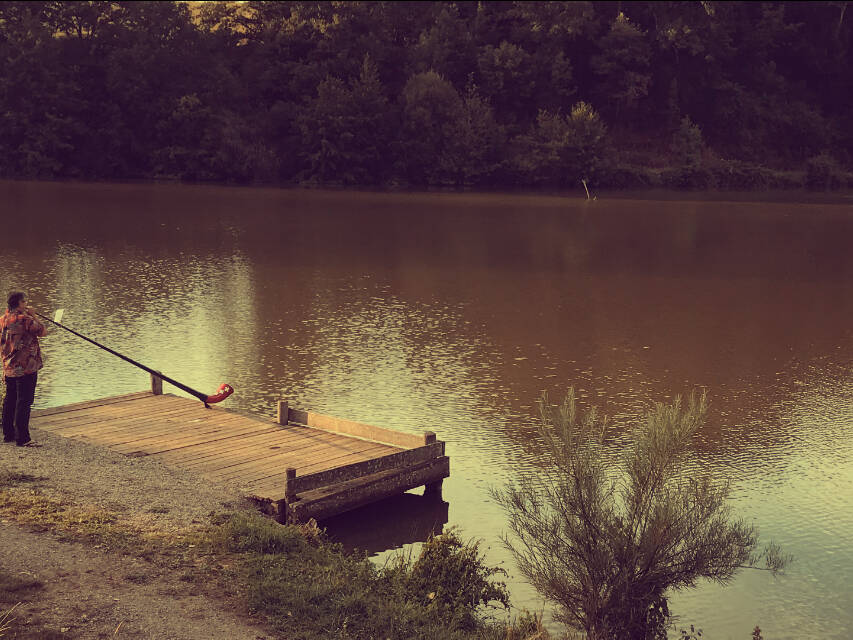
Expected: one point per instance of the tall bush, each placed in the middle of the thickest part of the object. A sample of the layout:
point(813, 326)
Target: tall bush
point(823, 173)
point(688, 144)
point(606, 544)
point(561, 150)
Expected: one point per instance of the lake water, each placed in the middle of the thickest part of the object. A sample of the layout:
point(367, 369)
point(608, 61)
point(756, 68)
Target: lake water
point(452, 313)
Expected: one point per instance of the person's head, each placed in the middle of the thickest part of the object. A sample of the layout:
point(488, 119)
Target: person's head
point(15, 299)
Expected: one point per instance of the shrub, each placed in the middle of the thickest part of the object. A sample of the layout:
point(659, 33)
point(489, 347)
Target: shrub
point(734, 175)
point(626, 176)
point(823, 173)
point(606, 544)
point(451, 578)
point(560, 150)
point(688, 178)
point(687, 143)
point(310, 589)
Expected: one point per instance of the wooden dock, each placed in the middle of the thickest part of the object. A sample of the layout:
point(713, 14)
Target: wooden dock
point(308, 465)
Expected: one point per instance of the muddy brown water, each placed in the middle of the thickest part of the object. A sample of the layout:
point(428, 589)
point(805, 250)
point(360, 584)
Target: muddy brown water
point(452, 313)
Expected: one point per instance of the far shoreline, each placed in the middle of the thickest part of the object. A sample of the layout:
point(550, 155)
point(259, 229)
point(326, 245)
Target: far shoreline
point(793, 195)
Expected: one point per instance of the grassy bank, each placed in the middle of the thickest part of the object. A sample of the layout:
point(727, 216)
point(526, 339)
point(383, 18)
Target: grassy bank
point(301, 586)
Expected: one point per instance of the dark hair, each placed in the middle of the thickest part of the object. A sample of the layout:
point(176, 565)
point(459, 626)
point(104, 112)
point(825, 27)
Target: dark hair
point(14, 299)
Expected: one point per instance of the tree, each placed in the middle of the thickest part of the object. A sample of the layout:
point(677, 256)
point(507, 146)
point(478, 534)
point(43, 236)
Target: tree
point(507, 78)
point(475, 152)
point(561, 150)
point(607, 544)
point(345, 130)
point(446, 47)
point(623, 65)
point(687, 144)
point(431, 108)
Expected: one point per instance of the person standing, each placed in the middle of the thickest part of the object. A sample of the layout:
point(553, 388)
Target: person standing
point(19, 344)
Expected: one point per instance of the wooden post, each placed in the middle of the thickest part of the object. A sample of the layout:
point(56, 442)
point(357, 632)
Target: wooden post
point(433, 489)
point(156, 385)
point(281, 416)
point(289, 497)
point(289, 494)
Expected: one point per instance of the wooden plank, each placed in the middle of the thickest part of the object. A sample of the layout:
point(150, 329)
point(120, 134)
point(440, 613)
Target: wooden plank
point(143, 423)
point(77, 406)
point(357, 429)
point(269, 446)
point(266, 460)
point(225, 449)
point(171, 437)
point(278, 472)
point(162, 431)
point(259, 449)
point(155, 447)
point(279, 466)
point(98, 414)
point(354, 493)
point(174, 416)
point(174, 426)
point(440, 464)
point(313, 466)
point(111, 422)
point(307, 482)
point(331, 457)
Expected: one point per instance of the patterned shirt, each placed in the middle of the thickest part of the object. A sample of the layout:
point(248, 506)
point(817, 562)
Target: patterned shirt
point(19, 344)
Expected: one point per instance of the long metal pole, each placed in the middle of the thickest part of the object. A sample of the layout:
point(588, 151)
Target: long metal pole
point(198, 394)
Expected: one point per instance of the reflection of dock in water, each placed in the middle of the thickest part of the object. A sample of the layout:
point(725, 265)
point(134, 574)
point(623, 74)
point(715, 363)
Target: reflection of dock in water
point(389, 524)
point(307, 464)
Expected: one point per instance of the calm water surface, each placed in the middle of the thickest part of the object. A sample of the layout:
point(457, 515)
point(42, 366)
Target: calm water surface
point(452, 313)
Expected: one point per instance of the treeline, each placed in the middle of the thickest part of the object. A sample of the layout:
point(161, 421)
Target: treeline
point(458, 94)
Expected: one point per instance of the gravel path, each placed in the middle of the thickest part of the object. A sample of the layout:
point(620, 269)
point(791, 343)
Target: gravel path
point(84, 592)
point(146, 490)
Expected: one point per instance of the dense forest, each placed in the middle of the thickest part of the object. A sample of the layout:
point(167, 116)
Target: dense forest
point(530, 95)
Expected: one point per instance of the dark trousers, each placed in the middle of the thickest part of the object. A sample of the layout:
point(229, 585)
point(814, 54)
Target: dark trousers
point(20, 393)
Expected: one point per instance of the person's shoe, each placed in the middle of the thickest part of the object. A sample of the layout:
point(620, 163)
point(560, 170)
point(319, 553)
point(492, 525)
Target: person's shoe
point(8, 439)
point(29, 443)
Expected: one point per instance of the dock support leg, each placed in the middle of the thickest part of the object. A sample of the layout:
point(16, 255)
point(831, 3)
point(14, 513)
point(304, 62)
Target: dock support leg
point(289, 495)
point(433, 489)
point(281, 511)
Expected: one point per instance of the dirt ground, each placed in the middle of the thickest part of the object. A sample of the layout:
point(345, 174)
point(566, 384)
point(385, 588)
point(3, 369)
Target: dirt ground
point(68, 590)
point(79, 590)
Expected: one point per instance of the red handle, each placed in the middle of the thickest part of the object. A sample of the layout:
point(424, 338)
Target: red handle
point(224, 390)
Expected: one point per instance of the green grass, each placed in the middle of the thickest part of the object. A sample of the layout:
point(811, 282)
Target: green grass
point(300, 584)
point(309, 589)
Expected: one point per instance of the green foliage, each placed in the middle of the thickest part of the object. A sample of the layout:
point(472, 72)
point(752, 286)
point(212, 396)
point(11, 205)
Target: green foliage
point(451, 579)
point(431, 109)
point(426, 94)
point(507, 74)
point(823, 173)
point(687, 178)
point(687, 144)
point(607, 544)
point(344, 130)
point(562, 150)
point(308, 588)
point(623, 65)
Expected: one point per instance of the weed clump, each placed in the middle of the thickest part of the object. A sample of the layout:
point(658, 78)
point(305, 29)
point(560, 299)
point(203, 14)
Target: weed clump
point(293, 574)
